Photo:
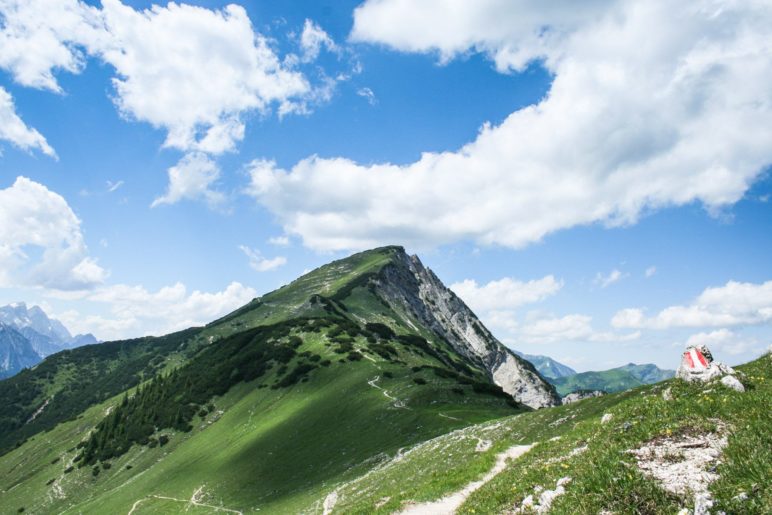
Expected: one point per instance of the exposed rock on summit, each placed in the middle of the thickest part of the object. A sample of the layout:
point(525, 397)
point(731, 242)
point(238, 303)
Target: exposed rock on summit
point(420, 294)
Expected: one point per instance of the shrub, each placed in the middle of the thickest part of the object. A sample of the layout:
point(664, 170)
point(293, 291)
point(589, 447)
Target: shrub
point(381, 330)
point(163, 440)
point(354, 356)
point(419, 380)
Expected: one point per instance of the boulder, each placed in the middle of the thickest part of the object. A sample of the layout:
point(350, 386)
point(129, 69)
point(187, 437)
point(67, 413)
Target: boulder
point(697, 364)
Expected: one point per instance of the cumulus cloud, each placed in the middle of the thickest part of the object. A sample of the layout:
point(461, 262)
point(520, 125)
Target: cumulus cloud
point(625, 129)
point(724, 340)
point(41, 243)
point(605, 280)
point(262, 264)
point(14, 130)
point(38, 37)
point(191, 71)
point(134, 311)
point(505, 293)
point(734, 304)
point(313, 39)
point(572, 327)
point(192, 178)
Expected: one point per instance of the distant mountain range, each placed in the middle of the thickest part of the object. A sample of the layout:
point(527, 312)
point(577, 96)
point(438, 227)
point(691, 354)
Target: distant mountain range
point(613, 380)
point(567, 380)
point(547, 366)
point(27, 335)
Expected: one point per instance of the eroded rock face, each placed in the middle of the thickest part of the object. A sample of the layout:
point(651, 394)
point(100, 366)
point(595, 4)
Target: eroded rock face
point(421, 295)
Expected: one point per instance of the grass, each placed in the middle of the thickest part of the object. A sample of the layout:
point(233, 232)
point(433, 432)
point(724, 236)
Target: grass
point(604, 475)
point(274, 450)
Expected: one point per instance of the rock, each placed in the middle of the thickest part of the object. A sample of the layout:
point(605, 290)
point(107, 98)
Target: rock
point(606, 418)
point(667, 394)
point(733, 383)
point(702, 504)
point(697, 365)
point(581, 395)
point(416, 292)
point(741, 497)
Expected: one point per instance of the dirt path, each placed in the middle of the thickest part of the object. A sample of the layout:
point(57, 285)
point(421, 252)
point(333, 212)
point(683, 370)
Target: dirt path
point(452, 502)
point(193, 501)
point(395, 402)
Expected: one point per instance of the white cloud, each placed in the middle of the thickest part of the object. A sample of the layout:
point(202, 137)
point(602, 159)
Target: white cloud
point(367, 94)
point(734, 304)
point(573, 327)
point(606, 280)
point(313, 39)
point(627, 128)
point(192, 178)
point(38, 37)
point(505, 293)
point(14, 130)
point(113, 186)
point(41, 243)
point(135, 311)
point(262, 264)
point(650, 271)
point(191, 71)
point(279, 241)
point(724, 340)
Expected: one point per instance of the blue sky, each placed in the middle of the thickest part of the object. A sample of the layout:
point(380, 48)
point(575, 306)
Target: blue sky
point(599, 204)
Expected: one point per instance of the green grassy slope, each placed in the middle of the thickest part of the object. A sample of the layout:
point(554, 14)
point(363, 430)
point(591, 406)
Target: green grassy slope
point(274, 440)
point(604, 475)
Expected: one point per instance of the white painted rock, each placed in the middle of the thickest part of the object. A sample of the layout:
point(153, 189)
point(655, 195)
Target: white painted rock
point(733, 383)
point(697, 365)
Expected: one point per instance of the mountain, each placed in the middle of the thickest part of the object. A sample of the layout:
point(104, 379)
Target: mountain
point(547, 366)
point(266, 408)
point(612, 380)
point(46, 335)
point(16, 352)
point(648, 373)
point(19, 316)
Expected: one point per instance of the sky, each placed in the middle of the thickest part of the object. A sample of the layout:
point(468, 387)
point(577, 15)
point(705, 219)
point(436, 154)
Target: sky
point(594, 182)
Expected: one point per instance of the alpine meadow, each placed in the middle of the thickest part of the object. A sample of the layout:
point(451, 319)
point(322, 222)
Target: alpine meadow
point(385, 257)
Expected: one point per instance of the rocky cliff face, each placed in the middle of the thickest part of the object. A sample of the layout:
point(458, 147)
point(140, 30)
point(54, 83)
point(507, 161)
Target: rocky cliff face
point(414, 290)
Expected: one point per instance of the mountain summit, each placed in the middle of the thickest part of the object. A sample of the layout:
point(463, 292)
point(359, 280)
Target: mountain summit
point(419, 296)
point(304, 386)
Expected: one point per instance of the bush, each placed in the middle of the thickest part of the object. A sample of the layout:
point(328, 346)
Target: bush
point(381, 330)
point(419, 380)
point(388, 374)
point(69, 469)
point(354, 356)
point(107, 465)
point(95, 471)
point(163, 440)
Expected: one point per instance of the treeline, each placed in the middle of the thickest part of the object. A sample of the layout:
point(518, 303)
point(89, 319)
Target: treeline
point(84, 376)
point(172, 401)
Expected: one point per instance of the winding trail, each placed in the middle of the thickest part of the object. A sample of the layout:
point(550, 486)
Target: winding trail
point(395, 402)
point(193, 501)
point(452, 502)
